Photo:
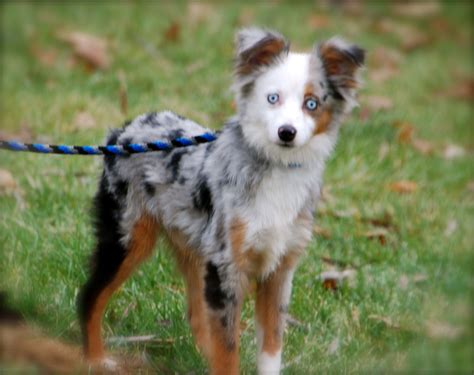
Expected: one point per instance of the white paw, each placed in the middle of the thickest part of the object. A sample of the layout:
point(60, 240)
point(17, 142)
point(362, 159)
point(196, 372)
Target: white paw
point(269, 364)
point(109, 364)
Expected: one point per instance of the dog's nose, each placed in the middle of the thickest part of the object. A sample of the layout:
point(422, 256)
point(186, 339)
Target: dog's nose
point(286, 133)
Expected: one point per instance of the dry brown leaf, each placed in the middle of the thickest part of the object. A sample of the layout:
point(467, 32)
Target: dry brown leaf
point(46, 57)
point(405, 132)
point(423, 146)
point(7, 182)
point(91, 49)
point(403, 187)
point(173, 32)
point(463, 90)
point(385, 221)
point(333, 279)
point(355, 316)
point(318, 21)
point(24, 134)
point(246, 16)
point(377, 102)
point(417, 9)
point(470, 186)
point(442, 330)
point(320, 231)
point(415, 39)
point(383, 57)
point(199, 12)
point(379, 234)
point(419, 278)
point(453, 151)
point(84, 120)
point(385, 320)
point(383, 74)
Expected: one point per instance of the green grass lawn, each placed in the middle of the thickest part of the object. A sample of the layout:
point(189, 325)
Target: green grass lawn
point(409, 307)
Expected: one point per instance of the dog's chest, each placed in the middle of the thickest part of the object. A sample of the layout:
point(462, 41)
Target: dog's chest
point(273, 215)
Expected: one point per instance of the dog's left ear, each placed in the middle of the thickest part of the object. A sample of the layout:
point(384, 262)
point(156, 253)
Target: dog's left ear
point(257, 48)
point(341, 62)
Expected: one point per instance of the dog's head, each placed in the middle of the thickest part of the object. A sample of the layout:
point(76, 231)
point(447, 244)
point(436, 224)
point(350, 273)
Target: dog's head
point(290, 104)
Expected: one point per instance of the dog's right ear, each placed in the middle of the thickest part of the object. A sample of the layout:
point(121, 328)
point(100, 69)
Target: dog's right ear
point(257, 48)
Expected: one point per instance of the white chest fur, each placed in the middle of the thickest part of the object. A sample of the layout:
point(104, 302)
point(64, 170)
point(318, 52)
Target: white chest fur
point(272, 215)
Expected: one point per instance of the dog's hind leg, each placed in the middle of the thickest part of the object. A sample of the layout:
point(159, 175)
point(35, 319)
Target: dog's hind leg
point(112, 264)
point(191, 268)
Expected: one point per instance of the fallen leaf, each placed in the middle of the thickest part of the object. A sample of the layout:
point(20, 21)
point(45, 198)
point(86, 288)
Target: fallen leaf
point(453, 151)
point(470, 186)
point(387, 321)
point(385, 221)
point(423, 146)
point(377, 102)
point(346, 213)
point(173, 32)
point(463, 90)
point(7, 182)
point(415, 39)
point(246, 16)
point(24, 134)
point(383, 57)
point(83, 121)
point(46, 57)
point(442, 330)
point(403, 187)
point(405, 132)
point(317, 21)
point(379, 233)
point(417, 9)
point(451, 227)
point(383, 74)
point(91, 49)
point(199, 12)
point(334, 346)
point(333, 279)
point(320, 231)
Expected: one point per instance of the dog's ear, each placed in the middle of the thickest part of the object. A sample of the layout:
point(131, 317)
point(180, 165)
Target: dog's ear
point(341, 62)
point(256, 48)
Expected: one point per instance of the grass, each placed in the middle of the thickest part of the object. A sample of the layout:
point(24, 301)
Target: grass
point(384, 321)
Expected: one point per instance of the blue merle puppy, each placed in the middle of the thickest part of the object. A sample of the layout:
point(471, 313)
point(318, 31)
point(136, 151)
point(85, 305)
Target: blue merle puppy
point(238, 209)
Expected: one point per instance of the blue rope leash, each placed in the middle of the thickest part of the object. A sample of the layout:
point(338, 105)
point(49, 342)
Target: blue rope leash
point(127, 149)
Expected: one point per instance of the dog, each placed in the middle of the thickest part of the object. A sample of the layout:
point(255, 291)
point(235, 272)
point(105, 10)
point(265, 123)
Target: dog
point(234, 210)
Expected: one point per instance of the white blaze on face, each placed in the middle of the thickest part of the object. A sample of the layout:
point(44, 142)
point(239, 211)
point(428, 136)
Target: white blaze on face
point(287, 79)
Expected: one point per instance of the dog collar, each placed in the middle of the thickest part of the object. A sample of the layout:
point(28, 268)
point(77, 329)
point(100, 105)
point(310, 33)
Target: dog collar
point(294, 165)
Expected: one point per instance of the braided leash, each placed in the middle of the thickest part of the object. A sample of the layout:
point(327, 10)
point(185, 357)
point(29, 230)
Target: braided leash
point(132, 148)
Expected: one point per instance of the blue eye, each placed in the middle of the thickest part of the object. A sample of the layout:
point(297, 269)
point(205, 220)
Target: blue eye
point(273, 98)
point(311, 104)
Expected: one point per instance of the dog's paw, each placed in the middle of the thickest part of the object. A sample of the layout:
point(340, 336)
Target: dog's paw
point(109, 364)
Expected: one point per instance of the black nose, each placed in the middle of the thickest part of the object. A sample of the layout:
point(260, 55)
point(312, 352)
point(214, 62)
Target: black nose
point(286, 133)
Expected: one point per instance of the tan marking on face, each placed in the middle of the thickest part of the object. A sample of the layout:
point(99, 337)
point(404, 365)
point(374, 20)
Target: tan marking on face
point(323, 120)
point(268, 303)
point(144, 234)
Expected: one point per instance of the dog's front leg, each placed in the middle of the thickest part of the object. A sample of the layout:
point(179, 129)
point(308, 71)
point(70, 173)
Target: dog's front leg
point(273, 297)
point(224, 302)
